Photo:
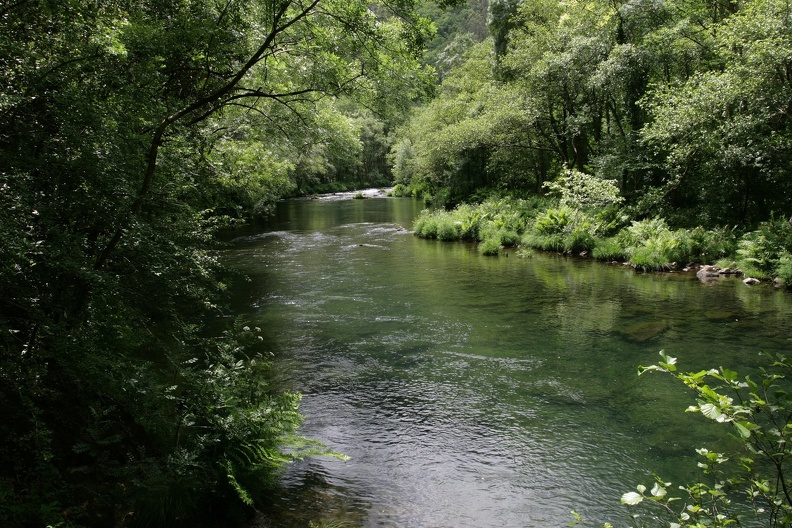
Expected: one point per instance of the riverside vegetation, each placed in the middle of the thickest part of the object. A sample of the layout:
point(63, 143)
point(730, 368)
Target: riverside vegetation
point(585, 218)
point(130, 133)
point(656, 133)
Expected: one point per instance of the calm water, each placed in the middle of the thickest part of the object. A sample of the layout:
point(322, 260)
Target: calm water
point(476, 391)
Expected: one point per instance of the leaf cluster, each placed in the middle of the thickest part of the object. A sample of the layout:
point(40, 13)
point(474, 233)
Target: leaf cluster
point(759, 415)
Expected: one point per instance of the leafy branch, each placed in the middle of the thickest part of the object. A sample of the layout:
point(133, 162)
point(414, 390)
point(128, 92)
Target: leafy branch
point(760, 416)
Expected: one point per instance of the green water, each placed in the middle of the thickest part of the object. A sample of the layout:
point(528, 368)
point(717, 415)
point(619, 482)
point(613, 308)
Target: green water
point(481, 392)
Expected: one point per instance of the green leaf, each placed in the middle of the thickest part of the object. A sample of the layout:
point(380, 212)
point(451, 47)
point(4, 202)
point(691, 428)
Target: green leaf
point(658, 491)
point(631, 498)
point(712, 412)
point(742, 429)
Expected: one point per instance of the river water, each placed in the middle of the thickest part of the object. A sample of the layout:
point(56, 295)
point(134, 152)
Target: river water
point(475, 391)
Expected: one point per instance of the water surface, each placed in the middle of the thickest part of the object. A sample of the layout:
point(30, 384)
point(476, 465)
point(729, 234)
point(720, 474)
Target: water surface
point(475, 391)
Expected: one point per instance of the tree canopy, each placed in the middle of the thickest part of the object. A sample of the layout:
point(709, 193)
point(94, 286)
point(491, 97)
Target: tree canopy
point(683, 102)
point(130, 131)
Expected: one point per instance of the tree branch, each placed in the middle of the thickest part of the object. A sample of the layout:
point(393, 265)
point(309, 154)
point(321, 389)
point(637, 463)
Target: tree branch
point(208, 100)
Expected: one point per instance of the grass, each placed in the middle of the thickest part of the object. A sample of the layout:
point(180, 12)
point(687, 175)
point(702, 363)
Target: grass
point(605, 234)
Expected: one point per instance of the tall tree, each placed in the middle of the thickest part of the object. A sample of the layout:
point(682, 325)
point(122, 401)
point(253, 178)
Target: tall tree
point(118, 123)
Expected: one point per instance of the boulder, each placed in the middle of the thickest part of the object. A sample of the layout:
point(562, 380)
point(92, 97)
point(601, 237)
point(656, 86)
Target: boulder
point(708, 272)
point(750, 281)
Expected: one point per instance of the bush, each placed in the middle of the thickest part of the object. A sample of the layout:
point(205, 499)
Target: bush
point(544, 242)
point(784, 269)
point(447, 229)
point(609, 249)
point(489, 247)
point(426, 225)
point(552, 221)
point(759, 415)
point(579, 240)
point(400, 190)
point(652, 256)
point(652, 245)
point(470, 219)
point(639, 232)
point(706, 245)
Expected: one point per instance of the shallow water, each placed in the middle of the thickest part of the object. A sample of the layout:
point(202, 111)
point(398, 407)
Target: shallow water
point(475, 391)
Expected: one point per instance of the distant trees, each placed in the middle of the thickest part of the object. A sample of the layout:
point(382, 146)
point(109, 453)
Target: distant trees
point(684, 103)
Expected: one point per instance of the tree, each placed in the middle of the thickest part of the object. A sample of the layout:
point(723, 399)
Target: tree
point(120, 131)
point(724, 134)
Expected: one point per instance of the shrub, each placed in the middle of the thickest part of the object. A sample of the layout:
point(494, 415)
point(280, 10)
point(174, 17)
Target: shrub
point(640, 231)
point(609, 249)
point(544, 242)
point(553, 221)
point(651, 256)
point(652, 245)
point(489, 247)
point(426, 225)
point(609, 221)
point(581, 191)
point(447, 229)
point(400, 190)
point(756, 255)
point(503, 236)
point(706, 245)
point(759, 415)
point(784, 269)
point(470, 219)
point(509, 238)
point(579, 240)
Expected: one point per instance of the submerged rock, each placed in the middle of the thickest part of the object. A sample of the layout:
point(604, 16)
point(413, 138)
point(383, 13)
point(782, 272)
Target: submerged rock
point(644, 331)
point(750, 281)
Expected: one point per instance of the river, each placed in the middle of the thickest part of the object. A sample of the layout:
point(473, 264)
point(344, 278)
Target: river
point(475, 391)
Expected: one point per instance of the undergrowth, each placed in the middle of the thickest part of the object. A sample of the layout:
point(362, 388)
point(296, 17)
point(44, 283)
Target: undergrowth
point(607, 234)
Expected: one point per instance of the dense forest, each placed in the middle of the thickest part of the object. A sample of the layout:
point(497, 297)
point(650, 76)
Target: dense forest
point(651, 132)
point(131, 132)
point(684, 104)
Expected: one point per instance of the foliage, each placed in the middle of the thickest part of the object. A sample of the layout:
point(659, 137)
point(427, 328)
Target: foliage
point(678, 104)
point(649, 245)
point(500, 220)
point(130, 132)
point(489, 247)
point(758, 415)
point(764, 253)
point(581, 191)
point(553, 221)
point(609, 249)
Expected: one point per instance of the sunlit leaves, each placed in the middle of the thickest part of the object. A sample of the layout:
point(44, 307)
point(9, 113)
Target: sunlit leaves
point(760, 417)
point(127, 131)
point(632, 498)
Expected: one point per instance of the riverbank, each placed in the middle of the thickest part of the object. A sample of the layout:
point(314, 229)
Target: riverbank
point(608, 233)
point(453, 381)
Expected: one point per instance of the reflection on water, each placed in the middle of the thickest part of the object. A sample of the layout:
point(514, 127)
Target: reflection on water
point(474, 391)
